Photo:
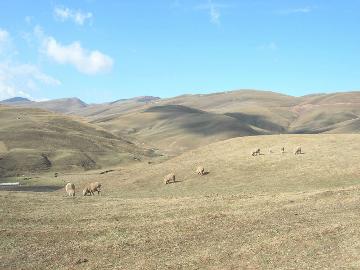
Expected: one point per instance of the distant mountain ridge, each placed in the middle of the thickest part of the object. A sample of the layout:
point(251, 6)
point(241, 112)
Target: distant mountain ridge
point(15, 100)
point(185, 122)
point(63, 105)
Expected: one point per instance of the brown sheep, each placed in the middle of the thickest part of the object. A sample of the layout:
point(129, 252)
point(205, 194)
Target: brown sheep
point(169, 178)
point(70, 189)
point(298, 151)
point(200, 170)
point(255, 152)
point(91, 188)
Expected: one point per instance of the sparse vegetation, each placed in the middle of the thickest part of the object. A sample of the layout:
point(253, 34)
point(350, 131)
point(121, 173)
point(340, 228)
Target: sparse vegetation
point(275, 211)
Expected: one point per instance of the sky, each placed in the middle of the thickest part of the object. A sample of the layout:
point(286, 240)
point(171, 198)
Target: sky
point(102, 50)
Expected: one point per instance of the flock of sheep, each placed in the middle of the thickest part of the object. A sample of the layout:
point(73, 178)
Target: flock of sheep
point(257, 152)
point(170, 178)
point(89, 189)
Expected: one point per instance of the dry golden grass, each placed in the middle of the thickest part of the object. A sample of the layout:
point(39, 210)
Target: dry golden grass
point(274, 211)
point(225, 115)
point(34, 140)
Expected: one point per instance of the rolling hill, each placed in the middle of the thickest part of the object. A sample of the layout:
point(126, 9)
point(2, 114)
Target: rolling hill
point(181, 123)
point(273, 211)
point(177, 124)
point(35, 140)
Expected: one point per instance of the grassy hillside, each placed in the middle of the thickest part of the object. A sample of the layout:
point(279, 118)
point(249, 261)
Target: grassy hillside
point(242, 113)
point(34, 140)
point(273, 211)
point(176, 128)
point(177, 124)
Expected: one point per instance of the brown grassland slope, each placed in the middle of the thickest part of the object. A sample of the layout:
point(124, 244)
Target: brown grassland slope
point(34, 140)
point(175, 125)
point(273, 211)
point(181, 123)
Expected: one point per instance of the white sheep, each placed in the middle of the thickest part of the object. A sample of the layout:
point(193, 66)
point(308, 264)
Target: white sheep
point(91, 188)
point(200, 170)
point(70, 189)
point(169, 178)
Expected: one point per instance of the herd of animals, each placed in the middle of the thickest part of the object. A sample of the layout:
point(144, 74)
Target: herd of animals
point(91, 188)
point(257, 152)
point(88, 190)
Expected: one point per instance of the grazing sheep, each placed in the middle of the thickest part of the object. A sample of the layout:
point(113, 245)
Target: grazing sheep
point(298, 151)
point(169, 178)
point(70, 189)
point(200, 170)
point(282, 150)
point(255, 152)
point(91, 188)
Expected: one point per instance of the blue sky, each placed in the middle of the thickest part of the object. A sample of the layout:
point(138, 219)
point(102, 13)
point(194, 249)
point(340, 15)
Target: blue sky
point(105, 50)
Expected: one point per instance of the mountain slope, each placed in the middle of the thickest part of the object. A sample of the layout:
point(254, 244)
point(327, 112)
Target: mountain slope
point(176, 128)
point(177, 124)
point(64, 105)
point(33, 140)
point(15, 100)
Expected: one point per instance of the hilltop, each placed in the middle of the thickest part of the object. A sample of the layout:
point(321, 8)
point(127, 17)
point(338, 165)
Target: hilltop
point(15, 100)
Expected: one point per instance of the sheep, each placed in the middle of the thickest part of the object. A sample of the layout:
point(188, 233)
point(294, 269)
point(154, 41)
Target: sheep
point(70, 189)
point(255, 152)
point(298, 151)
point(282, 150)
point(169, 178)
point(200, 170)
point(91, 188)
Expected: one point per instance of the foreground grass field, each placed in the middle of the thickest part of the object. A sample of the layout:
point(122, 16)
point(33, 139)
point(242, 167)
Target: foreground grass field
point(272, 211)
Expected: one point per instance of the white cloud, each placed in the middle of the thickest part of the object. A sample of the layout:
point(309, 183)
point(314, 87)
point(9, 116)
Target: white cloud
point(296, 10)
point(85, 61)
point(18, 79)
point(213, 10)
point(88, 62)
point(78, 17)
point(22, 79)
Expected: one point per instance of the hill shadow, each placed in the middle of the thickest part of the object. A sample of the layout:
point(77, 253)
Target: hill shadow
point(31, 188)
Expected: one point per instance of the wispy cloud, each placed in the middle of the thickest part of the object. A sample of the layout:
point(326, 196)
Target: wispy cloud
point(19, 79)
point(6, 44)
point(77, 16)
point(85, 61)
point(213, 10)
point(295, 10)
point(4, 36)
point(271, 46)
